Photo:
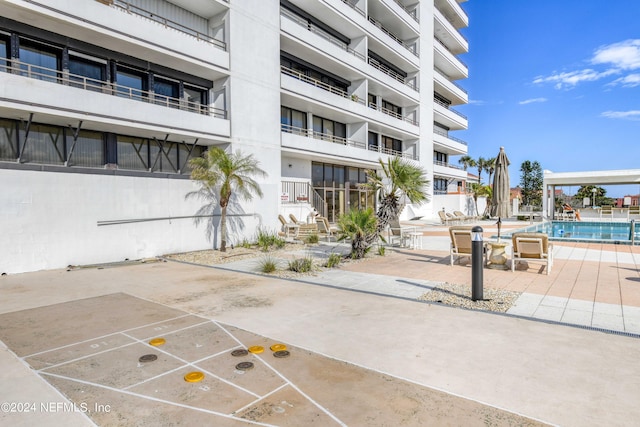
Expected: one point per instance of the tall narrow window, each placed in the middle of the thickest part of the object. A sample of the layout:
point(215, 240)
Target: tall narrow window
point(8, 142)
point(195, 97)
point(166, 92)
point(45, 144)
point(131, 84)
point(88, 150)
point(133, 153)
point(87, 73)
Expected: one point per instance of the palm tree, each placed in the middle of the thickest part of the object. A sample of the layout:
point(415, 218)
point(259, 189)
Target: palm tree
point(401, 179)
point(490, 167)
point(467, 162)
point(357, 225)
point(228, 174)
point(481, 164)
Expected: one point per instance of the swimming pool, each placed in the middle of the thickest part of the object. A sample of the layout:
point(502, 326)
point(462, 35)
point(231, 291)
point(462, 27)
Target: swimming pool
point(606, 232)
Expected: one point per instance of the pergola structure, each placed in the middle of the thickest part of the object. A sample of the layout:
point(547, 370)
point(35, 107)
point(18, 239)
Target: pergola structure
point(551, 180)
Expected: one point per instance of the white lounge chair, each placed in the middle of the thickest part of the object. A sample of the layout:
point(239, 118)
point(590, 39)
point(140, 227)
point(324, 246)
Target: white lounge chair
point(532, 247)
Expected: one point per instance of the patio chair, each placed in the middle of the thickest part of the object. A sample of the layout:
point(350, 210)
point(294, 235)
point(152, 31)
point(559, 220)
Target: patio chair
point(396, 233)
point(532, 247)
point(294, 219)
point(446, 218)
point(325, 228)
point(290, 229)
point(606, 211)
point(460, 241)
point(462, 217)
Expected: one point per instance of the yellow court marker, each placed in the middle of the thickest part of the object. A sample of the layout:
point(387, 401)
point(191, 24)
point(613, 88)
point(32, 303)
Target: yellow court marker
point(278, 347)
point(194, 377)
point(157, 341)
point(256, 349)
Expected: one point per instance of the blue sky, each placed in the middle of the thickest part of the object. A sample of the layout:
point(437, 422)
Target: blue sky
point(557, 81)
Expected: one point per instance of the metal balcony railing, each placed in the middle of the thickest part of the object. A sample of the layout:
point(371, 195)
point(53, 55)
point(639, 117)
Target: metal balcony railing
point(319, 32)
point(319, 84)
point(133, 9)
point(391, 113)
point(412, 13)
point(410, 48)
point(449, 50)
point(449, 80)
point(310, 133)
point(445, 164)
point(445, 105)
point(391, 152)
point(81, 82)
point(353, 6)
point(446, 135)
point(388, 71)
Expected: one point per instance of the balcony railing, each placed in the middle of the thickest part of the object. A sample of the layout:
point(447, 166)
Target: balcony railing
point(412, 13)
point(450, 81)
point(310, 133)
point(388, 71)
point(449, 50)
point(130, 8)
point(445, 105)
point(319, 84)
point(319, 32)
point(395, 38)
point(391, 152)
point(391, 113)
point(353, 6)
point(447, 165)
point(81, 82)
point(446, 135)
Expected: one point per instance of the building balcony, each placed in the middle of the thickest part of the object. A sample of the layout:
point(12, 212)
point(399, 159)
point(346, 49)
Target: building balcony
point(392, 74)
point(412, 48)
point(449, 89)
point(324, 144)
point(393, 114)
point(158, 40)
point(394, 15)
point(448, 170)
point(449, 35)
point(448, 116)
point(445, 143)
point(453, 12)
point(446, 61)
point(104, 106)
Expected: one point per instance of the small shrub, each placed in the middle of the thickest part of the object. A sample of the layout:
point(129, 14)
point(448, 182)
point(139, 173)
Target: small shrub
point(333, 260)
point(245, 244)
point(268, 265)
point(280, 242)
point(381, 250)
point(312, 239)
point(301, 265)
point(266, 240)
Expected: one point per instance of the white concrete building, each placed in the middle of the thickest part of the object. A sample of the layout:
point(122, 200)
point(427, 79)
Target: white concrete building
point(103, 102)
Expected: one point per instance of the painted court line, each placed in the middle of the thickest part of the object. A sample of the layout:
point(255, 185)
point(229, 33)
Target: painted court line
point(295, 387)
point(261, 398)
point(155, 399)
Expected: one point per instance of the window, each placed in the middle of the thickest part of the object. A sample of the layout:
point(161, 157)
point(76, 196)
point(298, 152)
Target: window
point(372, 101)
point(164, 156)
point(373, 140)
point(195, 97)
point(133, 153)
point(292, 120)
point(87, 73)
point(440, 157)
point(45, 144)
point(39, 61)
point(328, 129)
point(8, 141)
point(391, 143)
point(397, 111)
point(130, 83)
point(4, 52)
point(88, 150)
point(439, 186)
point(166, 92)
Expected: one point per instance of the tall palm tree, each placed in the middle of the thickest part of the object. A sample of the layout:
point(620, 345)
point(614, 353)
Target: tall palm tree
point(229, 174)
point(481, 164)
point(401, 179)
point(490, 167)
point(467, 162)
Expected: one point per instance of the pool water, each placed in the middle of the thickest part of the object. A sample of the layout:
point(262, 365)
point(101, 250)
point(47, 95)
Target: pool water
point(608, 232)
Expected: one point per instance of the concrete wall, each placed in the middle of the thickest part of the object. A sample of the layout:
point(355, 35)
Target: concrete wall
point(50, 220)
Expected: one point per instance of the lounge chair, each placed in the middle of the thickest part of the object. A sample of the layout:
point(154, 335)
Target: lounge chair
point(462, 217)
point(290, 229)
point(294, 219)
point(606, 211)
point(446, 218)
point(460, 241)
point(397, 233)
point(532, 247)
point(325, 228)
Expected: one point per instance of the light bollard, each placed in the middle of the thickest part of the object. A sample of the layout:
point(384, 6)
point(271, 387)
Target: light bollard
point(476, 263)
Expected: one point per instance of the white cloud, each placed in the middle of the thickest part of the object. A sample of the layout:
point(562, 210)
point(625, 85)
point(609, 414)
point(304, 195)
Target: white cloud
point(477, 102)
point(633, 115)
point(572, 78)
point(632, 80)
point(617, 57)
point(531, 101)
point(624, 55)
